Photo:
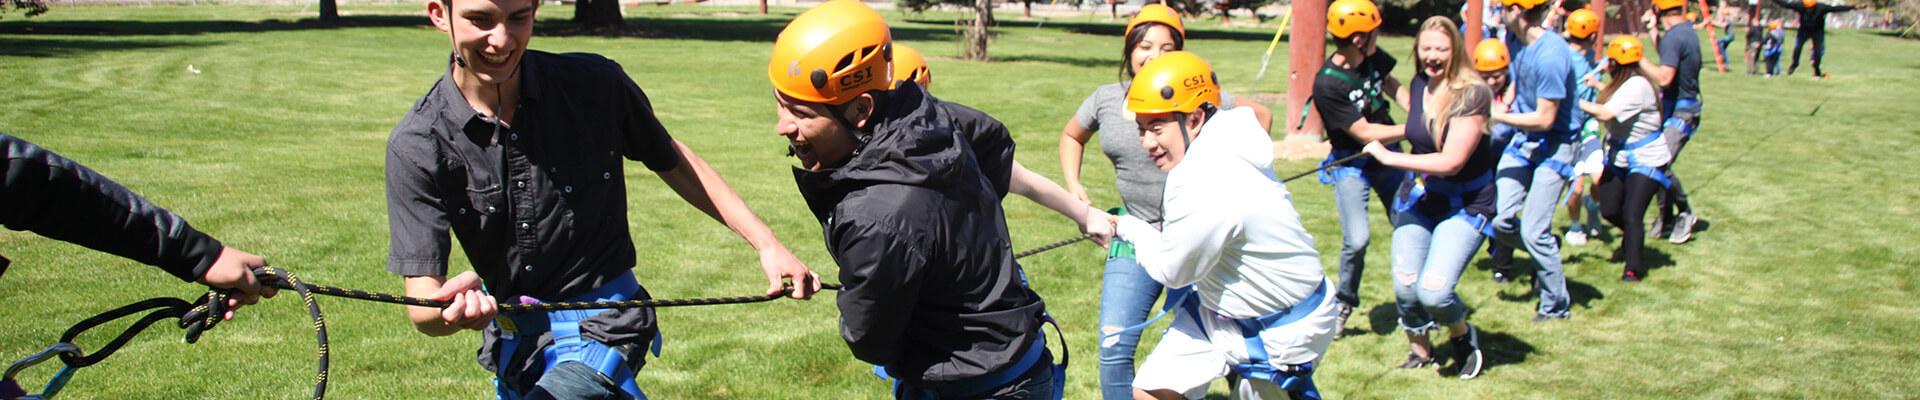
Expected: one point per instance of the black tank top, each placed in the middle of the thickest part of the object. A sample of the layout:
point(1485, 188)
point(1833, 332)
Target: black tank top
point(1479, 164)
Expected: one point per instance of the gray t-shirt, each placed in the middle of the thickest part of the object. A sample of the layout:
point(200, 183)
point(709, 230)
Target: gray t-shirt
point(1680, 49)
point(1636, 114)
point(1139, 181)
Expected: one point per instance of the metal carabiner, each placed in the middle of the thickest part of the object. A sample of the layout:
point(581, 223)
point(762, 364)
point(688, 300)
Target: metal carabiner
point(42, 356)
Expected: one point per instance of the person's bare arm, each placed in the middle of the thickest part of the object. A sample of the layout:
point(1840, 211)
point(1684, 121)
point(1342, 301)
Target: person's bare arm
point(1073, 146)
point(1032, 186)
point(1539, 120)
point(469, 308)
point(1463, 133)
point(703, 188)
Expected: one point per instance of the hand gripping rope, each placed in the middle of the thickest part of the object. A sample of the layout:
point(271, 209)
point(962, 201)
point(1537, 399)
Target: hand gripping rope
point(198, 316)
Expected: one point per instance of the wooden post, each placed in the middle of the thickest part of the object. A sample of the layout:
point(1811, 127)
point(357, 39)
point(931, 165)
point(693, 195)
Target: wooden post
point(1476, 29)
point(1305, 52)
point(1599, 7)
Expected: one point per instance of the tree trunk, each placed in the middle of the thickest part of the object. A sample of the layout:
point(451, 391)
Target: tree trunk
point(976, 34)
point(1027, 10)
point(597, 13)
point(763, 7)
point(329, 11)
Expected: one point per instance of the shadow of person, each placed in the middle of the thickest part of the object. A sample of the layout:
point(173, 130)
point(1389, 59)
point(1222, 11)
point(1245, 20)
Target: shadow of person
point(1496, 349)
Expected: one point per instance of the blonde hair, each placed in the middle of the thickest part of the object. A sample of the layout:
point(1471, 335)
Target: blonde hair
point(1456, 77)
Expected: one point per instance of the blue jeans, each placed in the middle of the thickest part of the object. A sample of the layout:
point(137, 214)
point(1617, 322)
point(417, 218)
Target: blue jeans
point(1350, 200)
point(573, 380)
point(1126, 296)
point(1428, 257)
point(1536, 191)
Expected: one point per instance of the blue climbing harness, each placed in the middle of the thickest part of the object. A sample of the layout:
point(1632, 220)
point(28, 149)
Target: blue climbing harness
point(1296, 379)
point(976, 386)
point(1541, 154)
point(568, 344)
point(1634, 166)
point(1352, 169)
point(1456, 195)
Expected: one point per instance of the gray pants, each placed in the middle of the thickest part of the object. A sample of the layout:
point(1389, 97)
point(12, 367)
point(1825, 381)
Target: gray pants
point(1528, 197)
point(1350, 199)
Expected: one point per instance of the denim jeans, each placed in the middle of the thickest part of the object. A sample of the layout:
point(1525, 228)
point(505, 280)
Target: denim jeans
point(1036, 384)
point(573, 380)
point(1428, 257)
point(1126, 296)
point(1350, 199)
point(1675, 195)
point(1536, 191)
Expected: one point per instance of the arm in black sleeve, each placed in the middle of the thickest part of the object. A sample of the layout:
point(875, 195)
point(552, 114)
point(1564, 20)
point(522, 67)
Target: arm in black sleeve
point(879, 270)
point(992, 145)
point(647, 141)
point(50, 195)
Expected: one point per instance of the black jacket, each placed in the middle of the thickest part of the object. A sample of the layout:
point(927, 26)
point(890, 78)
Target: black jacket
point(44, 193)
point(932, 291)
point(1813, 20)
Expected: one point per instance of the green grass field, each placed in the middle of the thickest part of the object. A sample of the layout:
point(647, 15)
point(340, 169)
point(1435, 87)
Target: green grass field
point(1803, 285)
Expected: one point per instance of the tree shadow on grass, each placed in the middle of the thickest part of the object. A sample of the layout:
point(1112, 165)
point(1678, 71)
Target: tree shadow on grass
point(1084, 62)
point(51, 48)
point(1115, 29)
point(198, 27)
point(758, 29)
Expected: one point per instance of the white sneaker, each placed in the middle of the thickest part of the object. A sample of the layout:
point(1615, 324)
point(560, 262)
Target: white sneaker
point(1576, 238)
point(1683, 228)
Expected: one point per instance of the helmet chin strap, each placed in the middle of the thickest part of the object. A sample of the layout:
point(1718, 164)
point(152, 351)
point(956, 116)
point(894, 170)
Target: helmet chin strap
point(1180, 118)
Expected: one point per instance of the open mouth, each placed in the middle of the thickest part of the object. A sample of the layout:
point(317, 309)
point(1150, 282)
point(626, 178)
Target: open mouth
point(802, 151)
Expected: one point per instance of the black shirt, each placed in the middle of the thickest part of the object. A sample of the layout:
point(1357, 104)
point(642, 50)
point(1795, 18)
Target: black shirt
point(539, 207)
point(1349, 95)
point(1680, 49)
point(1475, 100)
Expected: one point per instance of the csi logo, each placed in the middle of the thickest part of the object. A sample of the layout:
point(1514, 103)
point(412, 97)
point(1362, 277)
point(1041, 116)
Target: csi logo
point(1194, 82)
point(856, 78)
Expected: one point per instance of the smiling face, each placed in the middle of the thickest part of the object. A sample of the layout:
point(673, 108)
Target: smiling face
point(1435, 51)
point(1160, 136)
point(1158, 39)
point(489, 35)
point(817, 139)
point(1497, 80)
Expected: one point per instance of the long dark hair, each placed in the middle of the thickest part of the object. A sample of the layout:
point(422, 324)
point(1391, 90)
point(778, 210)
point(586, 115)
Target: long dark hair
point(1617, 75)
point(1138, 34)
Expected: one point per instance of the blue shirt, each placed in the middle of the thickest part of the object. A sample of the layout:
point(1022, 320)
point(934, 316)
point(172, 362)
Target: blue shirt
point(1582, 63)
point(1542, 70)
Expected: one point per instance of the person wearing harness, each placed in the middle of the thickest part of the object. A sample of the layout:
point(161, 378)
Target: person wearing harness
point(1491, 60)
point(1775, 44)
point(1443, 208)
point(1231, 238)
point(1756, 35)
point(1538, 159)
point(911, 213)
point(1127, 294)
point(1813, 26)
point(1630, 109)
point(1351, 93)
point(518, 153)
point(1583, 28)
point(56, 197)
point(1678, 75)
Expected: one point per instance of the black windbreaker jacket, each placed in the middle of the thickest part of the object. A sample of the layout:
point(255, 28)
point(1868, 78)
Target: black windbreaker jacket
point(44, 193)
point(931, 288)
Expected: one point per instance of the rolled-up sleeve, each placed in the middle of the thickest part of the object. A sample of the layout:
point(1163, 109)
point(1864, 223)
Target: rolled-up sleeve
point(416, 213)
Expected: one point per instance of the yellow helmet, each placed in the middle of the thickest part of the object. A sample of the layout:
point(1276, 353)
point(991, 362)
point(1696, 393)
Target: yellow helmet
point(1346, 17)
point(908, 65)
point(1625, 50)
point(1528, 4)
point(1173, 82)
point(1490, 55)
point(1583, 23)
point(1664, 5)
point(832, 53)
point(1156, 12)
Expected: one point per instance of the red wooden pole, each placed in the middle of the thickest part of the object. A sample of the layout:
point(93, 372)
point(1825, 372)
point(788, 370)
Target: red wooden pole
point(1475, 28)
point(1305, 52)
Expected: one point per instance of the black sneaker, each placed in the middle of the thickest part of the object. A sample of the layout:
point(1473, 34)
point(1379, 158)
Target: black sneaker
point(1466, 353)
point(1541, 318)
point(1415, 361)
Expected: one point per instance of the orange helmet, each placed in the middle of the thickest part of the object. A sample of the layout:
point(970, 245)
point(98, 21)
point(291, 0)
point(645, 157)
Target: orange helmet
point(1489, 56)
point(832, 53)
point(1625, 50)
point(1174, 82)
point(908, 65)
point(1156, 12)
point(1664, 5)
point(1773, 25)
point(1346, 17)
point(1529, 4)
point(1693, 16)
point(1583, 23)
point(1809, 3)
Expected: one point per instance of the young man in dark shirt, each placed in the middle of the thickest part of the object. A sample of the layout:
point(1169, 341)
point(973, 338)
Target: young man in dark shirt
point(1351, 93)
point(1678, 75)
point(519, 154)
point(44, 193)
point(907, 189)
point(1813, 26)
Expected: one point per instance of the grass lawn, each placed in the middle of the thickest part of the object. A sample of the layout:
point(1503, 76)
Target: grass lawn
point(1803, 284)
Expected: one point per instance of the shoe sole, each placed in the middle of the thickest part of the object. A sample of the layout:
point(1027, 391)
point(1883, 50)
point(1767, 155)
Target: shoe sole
point(1471, 369)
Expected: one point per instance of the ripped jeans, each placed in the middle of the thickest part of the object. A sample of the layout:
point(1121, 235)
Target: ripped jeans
point(1127, 294)
point(1428, 257)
